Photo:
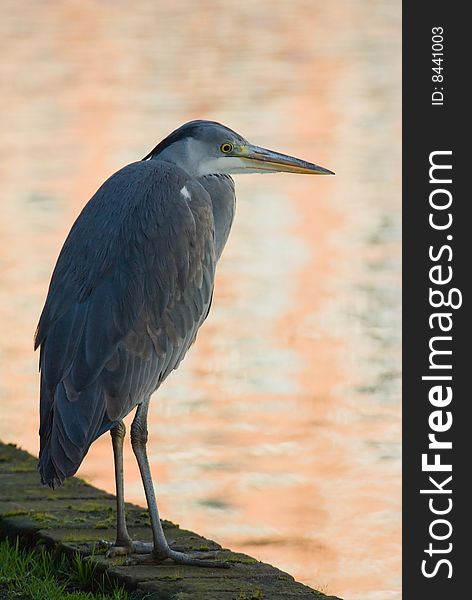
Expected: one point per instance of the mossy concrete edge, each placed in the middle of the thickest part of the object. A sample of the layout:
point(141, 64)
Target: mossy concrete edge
point(76, 517)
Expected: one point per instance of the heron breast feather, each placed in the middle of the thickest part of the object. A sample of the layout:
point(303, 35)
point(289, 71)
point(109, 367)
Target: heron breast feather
point(185, 193)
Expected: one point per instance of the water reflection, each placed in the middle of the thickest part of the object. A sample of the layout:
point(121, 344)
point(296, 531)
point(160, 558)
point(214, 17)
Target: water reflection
point(279, 435)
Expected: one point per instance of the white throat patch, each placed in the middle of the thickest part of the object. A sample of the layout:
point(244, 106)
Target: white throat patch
point(221, 165)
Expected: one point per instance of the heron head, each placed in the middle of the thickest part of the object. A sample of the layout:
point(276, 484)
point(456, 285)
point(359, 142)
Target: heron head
point(209, 148)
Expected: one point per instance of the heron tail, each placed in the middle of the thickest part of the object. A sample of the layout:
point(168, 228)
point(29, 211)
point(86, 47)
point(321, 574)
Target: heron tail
point(67, 429)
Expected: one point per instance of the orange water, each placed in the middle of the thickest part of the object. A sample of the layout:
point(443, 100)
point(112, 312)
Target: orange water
point(279, 435)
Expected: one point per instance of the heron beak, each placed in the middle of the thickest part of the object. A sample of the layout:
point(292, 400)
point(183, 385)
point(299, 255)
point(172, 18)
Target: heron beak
point(261, 159)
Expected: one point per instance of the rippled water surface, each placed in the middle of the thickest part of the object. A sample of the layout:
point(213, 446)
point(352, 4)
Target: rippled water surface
point(279, 435)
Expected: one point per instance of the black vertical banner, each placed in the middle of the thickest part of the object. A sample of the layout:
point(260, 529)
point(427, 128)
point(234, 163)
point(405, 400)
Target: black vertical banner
point(437, 233)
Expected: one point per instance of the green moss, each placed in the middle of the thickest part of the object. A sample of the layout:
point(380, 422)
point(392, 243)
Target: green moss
point(79, 536)
point(24, 466)
point(143, 518)
point(91, 506)
point(43, 518)
point(233, 557)
point(94, 507)
point(170, 578)
point(255, 595)
point(169, 525)
point(16, 513)
point(106, 523)
point(80, 519)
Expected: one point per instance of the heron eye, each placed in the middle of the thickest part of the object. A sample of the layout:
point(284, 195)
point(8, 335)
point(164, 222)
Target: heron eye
point(226, 148)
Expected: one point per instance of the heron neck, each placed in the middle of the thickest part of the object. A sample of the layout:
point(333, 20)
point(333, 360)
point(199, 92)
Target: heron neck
point(223, 199)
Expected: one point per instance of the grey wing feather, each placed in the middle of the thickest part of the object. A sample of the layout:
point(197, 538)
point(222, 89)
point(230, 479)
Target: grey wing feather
point(132, 285)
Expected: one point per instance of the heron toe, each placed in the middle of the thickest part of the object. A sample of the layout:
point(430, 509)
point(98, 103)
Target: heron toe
point(182, 558)
point(129, 548)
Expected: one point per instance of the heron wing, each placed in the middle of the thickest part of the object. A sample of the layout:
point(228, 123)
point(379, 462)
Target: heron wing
point(131, 287)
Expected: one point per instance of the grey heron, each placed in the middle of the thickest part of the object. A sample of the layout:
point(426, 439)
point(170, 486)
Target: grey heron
point(131, 287)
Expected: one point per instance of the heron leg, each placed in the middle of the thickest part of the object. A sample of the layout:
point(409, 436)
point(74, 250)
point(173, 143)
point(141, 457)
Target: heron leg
point(161, 549)
point(123, 544)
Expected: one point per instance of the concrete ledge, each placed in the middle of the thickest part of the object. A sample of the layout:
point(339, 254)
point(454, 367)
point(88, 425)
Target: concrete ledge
point(75, 517)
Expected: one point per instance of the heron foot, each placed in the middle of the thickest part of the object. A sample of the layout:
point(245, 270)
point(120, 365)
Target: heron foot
point(181, 558)
point(129, 547)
